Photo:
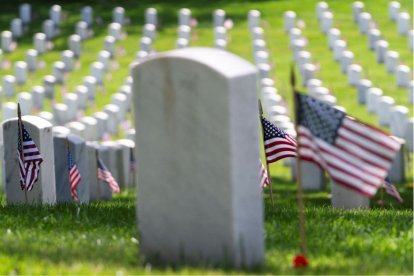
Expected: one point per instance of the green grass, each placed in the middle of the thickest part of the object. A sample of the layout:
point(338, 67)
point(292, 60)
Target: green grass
point(101, 238)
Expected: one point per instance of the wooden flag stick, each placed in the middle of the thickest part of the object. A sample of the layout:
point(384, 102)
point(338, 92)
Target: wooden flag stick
point(300, 196)
point(20, 125)
point(267, 164)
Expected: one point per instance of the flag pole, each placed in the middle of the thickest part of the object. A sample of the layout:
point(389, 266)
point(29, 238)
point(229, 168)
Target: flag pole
point(300, 195)
point(98, 183)
point(70, 186)
point(20, 125)
point(267, 163)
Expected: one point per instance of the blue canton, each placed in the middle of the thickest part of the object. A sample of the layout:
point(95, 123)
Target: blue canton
point(71, 164)
point(321, 119)
point(271, 131)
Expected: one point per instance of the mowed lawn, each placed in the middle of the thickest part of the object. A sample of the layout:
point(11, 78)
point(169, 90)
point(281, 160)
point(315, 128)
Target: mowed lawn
point(102, 237)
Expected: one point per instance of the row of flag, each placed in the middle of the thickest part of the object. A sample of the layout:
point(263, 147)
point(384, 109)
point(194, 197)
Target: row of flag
point(355, 155)
point(29, 159)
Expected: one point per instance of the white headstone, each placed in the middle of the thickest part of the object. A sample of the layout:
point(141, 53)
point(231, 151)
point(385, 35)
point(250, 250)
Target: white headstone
point(91, 128)
point(76, 128)
point(333, 35)
point(49, 83)
point(219, 16)
point(55, 14)
point(6, 41)
point(39, 41)
point(184, 17)
point(223, 116)
point(9, 86)
point(338, 48)
point(259, 45)
point(391, 61)
point(90, 83)
point(94, 189)
point(120, 100)
point(220, 33)
point(68, 59)
point(409, 134)
point(149, 30)
point(59, 71)
point(102, 122)
point(107, 154)
point(327, 21)
point(385, 104)
point(253, 17)
point(46, 116)
point(411, 92)
point(345, 198)
point(354, 74)
point(308, 72)
point(130, 134)
point(403, 23)
point(105, 58)
point(182, 43)
point(261, 57)
point(184, 31)
point(82, 92)
point(264, 70)
point(394, 10)
point(321, 7)
point(115, 30)
point(396, 174)
point(26, 102)
point(289, 20)
point(9, 110)
point(151, 16)
point(319, 92)
point(125, 173)
point(294, 33)
point(72, 102)
point(97, 71)
point(373, 36)
point(113, 118)
point(109, 45)
point(31, 59)
point(373, 96)
point(362, 87)
point(20, 72)
point(16, 27)
point(48, 28)
point(346, 60)
point(118, 15)
point(25, 12)
point(411, 40)
point(398, 120)
point(357, 8)
point(60, 114)
point(313, 178)
point(381, 49)
point(145, 43)
point(81, 29)
point(38, 95)
point(364, 22)
point(403, 75)
point(44, 191)
point(75, 44)
point(87, 15)
point(312, 84)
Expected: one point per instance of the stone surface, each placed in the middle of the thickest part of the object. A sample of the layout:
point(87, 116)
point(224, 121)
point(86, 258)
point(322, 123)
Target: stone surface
point(20, 72)
point(326, 21)
point(97, 71)
point(9, 110)
point(9, 86)
point(31, 60)
point(289, 20)
point(94, 187)
point(115, 30)
point(90, 83)
point(362, 87)
point(25, 13)
point(385, 104)
point(118, 15)
point(126, 176)
point(380, 50)
point(346, 60)
point(373, 36)
point(83, 94)
point(321, 7)
point(403, 75)
point(39, 42)
point(75, 45)
point(108, 153)
point(403, 23)
point(200, 131)
point(218, 17)
point(396, 173)
point(55, 14)
point(59, 71)
point(76, 128)
point(109, 45)
point(91, 128)
point(151, 16)
point(102, 122)
point(313, 178)
point(26, 102)
point(409, 134)
point(253, 17)
point(398, 120)
point(184, 17)
point(44, 191)
point(391, 61)
point(81, 29)
point(6, 41)
point(357, 8)
point(393, 10)
point(38, 96)
point(60, 114)
point(16, 27)
point(87, 15)
point(49, 83)
point(48, 28)
point(364, 22)
point(373, 96)
point(68, 59)
point(339, 47)
point(354, 74)
point(345, 198)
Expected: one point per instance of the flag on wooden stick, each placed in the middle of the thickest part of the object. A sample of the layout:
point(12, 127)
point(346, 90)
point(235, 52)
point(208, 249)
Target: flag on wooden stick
point(29, 158)
point(264, 178)
point(278, 144)
point(392, 191)
point(355, 155)
point(74, 176)
point(105, 175)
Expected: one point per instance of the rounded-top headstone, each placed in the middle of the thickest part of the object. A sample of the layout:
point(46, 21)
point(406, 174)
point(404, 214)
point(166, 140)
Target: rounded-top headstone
point(151, 16)
point(253, 18)
point(219, 17)
point(87, 15)
point(118, 15)
point(394, 10)
point(184, 17)
point(357, 8)
point(55, 14)
point(25, 12)
point(289, 20)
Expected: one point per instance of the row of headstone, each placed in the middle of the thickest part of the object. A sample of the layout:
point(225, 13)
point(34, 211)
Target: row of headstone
point(381, 46)
point(220, 30)
point(184, 28)
point(402, 19)
point(53, 183)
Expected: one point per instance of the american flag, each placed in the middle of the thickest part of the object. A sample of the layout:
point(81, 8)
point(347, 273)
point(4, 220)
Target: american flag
point(105, 175)
point(27, 151)
point(264, 178)
point(392, 191)
point(278, 144)
point(355, 155)
point(74, 176)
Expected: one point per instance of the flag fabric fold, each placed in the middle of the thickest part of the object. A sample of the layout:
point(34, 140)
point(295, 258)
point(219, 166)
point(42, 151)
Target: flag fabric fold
point(278, 144)
point(392, 191)
point(355, 155)
point(29, 159)
point(105, 175)
point(74, 176)
point(264, 178)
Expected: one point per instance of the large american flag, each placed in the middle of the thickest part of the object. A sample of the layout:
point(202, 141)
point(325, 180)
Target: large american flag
point(74, 176)
point(105, 175)
point(278, 144)
point(27, 151)
point(355, 155)
point(264, 178)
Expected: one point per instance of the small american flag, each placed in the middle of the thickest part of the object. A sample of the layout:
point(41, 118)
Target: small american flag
point(105, 175)
point(29, 159)
point(74, 176)
point(278, 144)
point(392, 191)
point(264, 178)
point(355, 155)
